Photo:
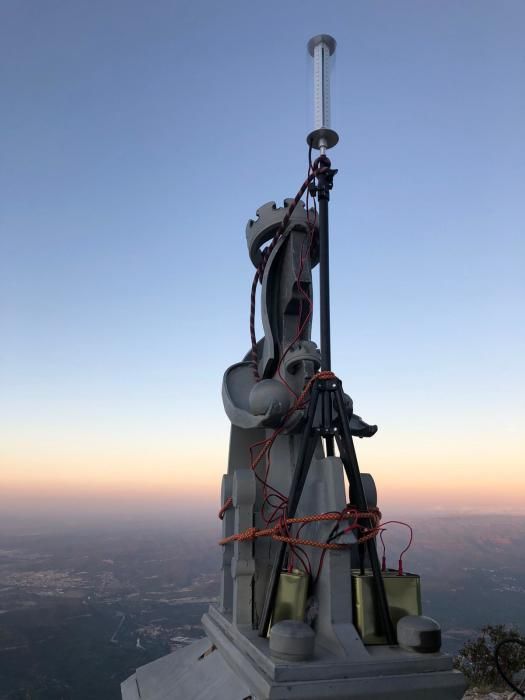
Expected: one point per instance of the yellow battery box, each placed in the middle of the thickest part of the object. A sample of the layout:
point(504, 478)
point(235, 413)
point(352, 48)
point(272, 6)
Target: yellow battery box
point(403, 594)
point(292, 592)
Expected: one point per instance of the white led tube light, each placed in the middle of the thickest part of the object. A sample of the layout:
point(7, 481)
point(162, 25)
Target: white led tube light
point(322, 47)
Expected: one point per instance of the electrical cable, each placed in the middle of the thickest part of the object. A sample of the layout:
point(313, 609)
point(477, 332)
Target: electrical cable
point(405, 550)
point(508, 640)
point(319, 166)
point(279, 509)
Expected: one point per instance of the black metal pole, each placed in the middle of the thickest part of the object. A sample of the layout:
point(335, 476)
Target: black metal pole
point(349, 457)
point(323, 190)
point(324, 185)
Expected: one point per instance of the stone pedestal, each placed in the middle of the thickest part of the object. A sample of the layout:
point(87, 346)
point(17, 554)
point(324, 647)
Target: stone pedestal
point(231, 664)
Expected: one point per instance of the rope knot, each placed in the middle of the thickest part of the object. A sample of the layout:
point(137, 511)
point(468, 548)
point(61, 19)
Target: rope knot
point(248, 534)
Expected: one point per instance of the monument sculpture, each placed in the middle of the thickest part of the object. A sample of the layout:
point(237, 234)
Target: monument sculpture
point(306, 609)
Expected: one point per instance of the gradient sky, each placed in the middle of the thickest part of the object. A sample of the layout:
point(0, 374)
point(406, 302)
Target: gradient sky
point(137, 138)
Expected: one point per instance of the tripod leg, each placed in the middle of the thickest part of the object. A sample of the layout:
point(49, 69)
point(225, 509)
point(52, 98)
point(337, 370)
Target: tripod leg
point(349, 458)
point(306, 452)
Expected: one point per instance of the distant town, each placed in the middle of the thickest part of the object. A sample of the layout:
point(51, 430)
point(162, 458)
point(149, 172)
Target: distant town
point(79, 611)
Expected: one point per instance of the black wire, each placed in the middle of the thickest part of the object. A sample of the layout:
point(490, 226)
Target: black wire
point(332, 536)
point(509, 640)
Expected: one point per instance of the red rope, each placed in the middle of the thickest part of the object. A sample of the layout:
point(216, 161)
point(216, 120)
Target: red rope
point(272, 497)
point(227, 504)
point(280, 532)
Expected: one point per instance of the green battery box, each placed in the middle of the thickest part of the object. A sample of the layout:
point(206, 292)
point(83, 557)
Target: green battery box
point(403, 595)
point(292, 592)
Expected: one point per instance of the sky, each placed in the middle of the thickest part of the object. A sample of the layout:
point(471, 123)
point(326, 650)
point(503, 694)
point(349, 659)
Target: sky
point(138, 138)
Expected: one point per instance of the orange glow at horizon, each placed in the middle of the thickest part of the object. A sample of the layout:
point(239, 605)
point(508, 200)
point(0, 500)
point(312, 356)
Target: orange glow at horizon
point(422, 469)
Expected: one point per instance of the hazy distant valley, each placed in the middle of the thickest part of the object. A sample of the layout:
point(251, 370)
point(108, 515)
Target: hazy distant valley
point(80, 610)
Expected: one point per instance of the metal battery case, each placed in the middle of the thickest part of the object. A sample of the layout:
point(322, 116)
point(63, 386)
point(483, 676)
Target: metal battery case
point(292, 591)
point(403, 595)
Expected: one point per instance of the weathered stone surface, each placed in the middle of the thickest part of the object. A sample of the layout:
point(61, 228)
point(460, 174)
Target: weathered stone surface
point(197, 672)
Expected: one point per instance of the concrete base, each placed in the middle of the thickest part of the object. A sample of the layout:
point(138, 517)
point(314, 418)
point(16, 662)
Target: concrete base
point(240, 667)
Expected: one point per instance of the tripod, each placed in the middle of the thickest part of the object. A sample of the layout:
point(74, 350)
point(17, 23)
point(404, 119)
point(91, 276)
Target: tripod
point(327, 418)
